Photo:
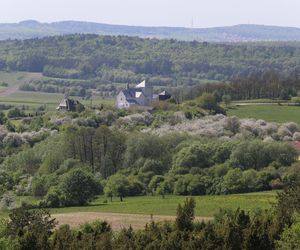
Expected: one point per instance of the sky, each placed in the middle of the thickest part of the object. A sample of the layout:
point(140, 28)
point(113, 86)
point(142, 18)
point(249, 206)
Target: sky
point(177, 13)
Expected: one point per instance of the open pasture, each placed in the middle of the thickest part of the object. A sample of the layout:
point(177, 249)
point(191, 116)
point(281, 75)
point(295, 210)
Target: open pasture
point(271, 113)
point(206, 206)
point(15, 79)
point(137, 211)
point(11, 95)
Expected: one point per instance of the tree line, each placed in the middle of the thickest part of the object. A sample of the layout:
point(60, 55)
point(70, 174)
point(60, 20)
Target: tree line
point(276, 228)
point(256, 85)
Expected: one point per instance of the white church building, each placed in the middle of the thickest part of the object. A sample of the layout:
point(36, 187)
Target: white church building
point(140, 95)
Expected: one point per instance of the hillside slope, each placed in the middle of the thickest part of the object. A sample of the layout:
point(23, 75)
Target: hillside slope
point(238, 33)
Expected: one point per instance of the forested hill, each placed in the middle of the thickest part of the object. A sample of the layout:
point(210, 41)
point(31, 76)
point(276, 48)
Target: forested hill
point(124, 59)
point(239, 33)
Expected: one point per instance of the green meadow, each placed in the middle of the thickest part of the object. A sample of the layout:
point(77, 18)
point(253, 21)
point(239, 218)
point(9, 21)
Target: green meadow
point(272, 113)
point(32, 100)
point(206, 206)
point(17, 78)
point(33, 97)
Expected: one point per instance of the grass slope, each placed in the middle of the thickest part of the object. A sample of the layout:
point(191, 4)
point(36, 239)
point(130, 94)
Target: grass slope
point(244, 32)
point(272, 113)
point(33, 100)
point(33, 97)
point(206, 206)
point(17, 78)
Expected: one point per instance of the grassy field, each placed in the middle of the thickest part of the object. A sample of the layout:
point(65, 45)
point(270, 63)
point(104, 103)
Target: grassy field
point(33, 100)
point(272, 113)
point(17, 78)
point(261, 100)
point(97, 101)
point(206, 206)
point(33, 97)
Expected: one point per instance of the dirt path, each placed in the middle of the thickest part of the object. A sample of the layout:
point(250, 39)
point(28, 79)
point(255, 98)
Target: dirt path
point(117, 220)
point(8, 91)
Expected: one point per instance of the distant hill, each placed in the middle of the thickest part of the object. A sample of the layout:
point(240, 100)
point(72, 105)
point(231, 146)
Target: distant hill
point(238, 33)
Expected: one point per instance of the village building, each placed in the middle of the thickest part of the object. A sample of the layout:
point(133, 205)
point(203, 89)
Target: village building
point(141, 95)
point(68, 104)
point(163, 96)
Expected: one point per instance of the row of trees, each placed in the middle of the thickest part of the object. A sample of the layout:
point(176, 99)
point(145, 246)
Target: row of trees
point(255, 85)
point(101, 148)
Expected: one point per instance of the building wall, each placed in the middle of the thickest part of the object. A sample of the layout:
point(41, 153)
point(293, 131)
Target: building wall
point(121, 101)
point(148, 92)
point(142, 100)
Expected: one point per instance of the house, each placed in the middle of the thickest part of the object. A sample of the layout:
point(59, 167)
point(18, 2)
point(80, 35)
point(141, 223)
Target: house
point(68, 104)
point(141, 95)
point(163, 96)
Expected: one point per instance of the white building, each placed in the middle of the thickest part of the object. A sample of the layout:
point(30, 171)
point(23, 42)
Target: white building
point(140, 95)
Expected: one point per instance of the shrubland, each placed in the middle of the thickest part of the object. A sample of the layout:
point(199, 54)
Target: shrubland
point(129, 153)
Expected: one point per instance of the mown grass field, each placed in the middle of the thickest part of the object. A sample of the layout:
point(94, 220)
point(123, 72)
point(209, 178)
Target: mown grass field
point(32, 100)
point(33, 97)
point(272, 113)
point(17, 78)
point(261, 100)
point(206, 206)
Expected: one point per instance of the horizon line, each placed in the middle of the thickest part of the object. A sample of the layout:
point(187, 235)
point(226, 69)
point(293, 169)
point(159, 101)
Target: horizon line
point(148, 26)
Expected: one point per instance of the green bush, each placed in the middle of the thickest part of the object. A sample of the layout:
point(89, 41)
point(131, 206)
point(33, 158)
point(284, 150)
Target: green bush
point(15, 113)
point(79, 187)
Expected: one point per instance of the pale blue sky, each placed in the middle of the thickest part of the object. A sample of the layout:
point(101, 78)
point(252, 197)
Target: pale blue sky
point(205, 13)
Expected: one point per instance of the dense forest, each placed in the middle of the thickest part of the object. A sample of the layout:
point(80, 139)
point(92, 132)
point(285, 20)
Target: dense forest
point(121, 59)
point(263, 84)
point(77, 64)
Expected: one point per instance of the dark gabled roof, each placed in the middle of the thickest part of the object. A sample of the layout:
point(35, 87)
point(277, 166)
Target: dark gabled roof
point(72, 102)
point(130, 92)
point(164, 93)
point(131, 101)
point(68, 104)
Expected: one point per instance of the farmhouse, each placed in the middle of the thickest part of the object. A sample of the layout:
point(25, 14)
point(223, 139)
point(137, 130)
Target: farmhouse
point(140, 95)
point(67, 104)
point(164, 96)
